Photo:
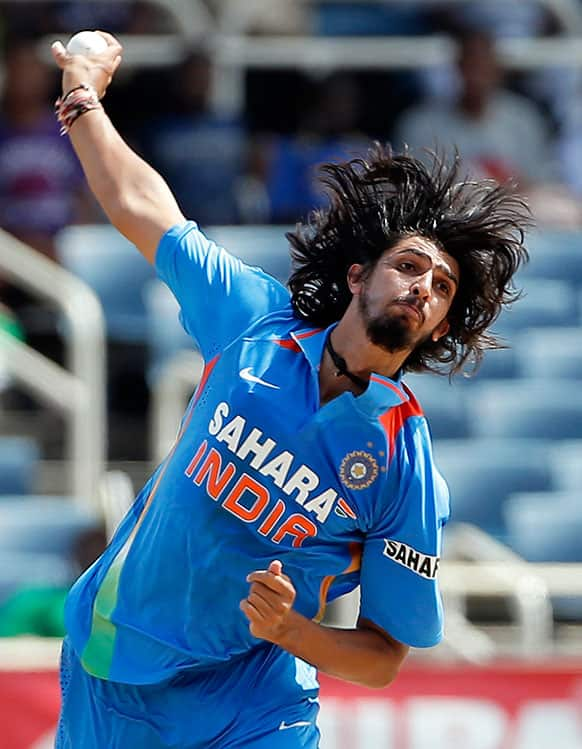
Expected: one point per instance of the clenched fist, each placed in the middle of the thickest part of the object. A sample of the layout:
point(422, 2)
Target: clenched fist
point(269, 604)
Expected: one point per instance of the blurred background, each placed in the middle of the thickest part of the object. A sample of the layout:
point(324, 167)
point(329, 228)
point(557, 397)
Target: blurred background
point(236, 102)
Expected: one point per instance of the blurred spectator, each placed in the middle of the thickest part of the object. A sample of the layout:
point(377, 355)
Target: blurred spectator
point(550, 86)
point(499, 18)
point(329, 132)
point(110, 15)
point(41, 183)
point(8, 324)
point(569, 149)
point(39, 610)
point(200, 153)
point(498, 133)
point(113, 16)
point(398, 17)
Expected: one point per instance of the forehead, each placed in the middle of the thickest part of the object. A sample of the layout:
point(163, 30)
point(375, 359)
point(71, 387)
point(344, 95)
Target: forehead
point(427, 247)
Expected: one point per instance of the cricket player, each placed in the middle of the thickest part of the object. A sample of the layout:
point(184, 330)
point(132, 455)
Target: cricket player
point(303, 466)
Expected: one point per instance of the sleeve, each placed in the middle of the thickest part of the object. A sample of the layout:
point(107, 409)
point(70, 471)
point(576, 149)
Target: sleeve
point(399, 589)
point(218, 294)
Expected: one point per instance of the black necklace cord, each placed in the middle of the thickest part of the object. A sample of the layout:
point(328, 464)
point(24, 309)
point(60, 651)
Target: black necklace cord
point(342, 367)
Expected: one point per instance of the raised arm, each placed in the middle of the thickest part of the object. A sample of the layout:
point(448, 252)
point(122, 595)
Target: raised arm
point(136, 199)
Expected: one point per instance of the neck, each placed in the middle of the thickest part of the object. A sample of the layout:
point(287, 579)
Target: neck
point(355, 359)
point(341, 366)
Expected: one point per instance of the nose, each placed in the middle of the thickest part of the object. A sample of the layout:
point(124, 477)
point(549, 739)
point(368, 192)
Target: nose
point(422, 286)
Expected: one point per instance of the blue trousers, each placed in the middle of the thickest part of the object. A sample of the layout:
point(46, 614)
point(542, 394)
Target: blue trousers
point(267, 700)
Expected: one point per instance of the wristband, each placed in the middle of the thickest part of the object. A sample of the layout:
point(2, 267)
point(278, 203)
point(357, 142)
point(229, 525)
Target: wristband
point(80, 99)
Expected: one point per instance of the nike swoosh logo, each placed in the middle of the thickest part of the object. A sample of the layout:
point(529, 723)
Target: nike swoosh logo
point(247, 374)
point(284, 726)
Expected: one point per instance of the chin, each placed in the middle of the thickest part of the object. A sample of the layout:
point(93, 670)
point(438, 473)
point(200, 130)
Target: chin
point(391, 333)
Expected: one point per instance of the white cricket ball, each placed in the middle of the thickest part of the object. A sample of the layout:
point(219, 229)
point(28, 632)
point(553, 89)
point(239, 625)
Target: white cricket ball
point(86, 43)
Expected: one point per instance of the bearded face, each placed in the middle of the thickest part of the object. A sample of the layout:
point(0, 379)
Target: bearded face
point(390, 329)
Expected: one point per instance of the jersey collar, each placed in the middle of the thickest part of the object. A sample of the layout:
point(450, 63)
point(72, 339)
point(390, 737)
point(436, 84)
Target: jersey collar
point(382, 392)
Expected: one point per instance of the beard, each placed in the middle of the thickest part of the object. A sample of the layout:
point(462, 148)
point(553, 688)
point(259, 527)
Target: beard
point(389, 330)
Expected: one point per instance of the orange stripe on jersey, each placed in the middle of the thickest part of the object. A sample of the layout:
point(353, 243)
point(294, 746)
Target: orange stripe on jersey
point(203, 380)
point(354, 565)
point(393, 420)
point(386, 384)
point(343, 505)
point(308, 333)
point(289, 344)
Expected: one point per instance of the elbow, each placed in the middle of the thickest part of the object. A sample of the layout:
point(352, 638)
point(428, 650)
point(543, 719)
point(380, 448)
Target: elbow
point(382, 678)
point(389, 655)
point(388, 666)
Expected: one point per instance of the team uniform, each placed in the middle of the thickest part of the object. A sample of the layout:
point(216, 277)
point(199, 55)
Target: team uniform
point(158, 653)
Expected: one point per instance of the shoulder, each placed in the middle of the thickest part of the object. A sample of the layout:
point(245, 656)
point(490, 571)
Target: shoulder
point(404, 420)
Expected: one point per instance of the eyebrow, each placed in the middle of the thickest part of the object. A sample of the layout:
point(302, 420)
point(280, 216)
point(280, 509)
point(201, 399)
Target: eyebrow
point(439, 266)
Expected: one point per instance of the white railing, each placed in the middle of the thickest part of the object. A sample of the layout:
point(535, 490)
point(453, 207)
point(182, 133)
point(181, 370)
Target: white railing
point(171, 390)
point(333, 53)
point(528, 595)
point(233, 54)
point(79, 392)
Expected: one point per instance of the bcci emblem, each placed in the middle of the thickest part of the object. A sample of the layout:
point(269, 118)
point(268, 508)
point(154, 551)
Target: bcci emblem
point(358, 470)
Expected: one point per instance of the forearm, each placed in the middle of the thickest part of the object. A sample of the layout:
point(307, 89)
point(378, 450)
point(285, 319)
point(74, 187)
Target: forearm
point(362, 655)
point(131, 193)
point(112, 169)
point(134, 196)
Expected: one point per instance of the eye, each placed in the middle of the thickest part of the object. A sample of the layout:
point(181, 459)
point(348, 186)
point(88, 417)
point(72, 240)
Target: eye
point(407, 265)
point(444, 287)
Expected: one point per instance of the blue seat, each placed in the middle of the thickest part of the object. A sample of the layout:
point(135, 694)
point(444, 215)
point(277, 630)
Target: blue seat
point(165, 334)
point(547, 527)
point(550, 353)
point(566, 466)
point(115, 270)
point(523, 408)
point(554, 255)
point(497, 364)
point(20, 569)
point(19, 458)
point(481, 475)
point(443, 403)
point(42, 525)
point(368, 19)
point(544, 303)
point(263, 246)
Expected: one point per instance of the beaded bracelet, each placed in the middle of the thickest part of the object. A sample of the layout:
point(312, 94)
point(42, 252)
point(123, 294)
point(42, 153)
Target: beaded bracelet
point(68, 108)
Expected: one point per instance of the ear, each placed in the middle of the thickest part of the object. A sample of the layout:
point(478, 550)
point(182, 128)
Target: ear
point(440, 330)
point(355, 278)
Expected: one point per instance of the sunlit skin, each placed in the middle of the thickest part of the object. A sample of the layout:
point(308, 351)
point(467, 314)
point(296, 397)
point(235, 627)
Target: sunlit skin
point(416, 282)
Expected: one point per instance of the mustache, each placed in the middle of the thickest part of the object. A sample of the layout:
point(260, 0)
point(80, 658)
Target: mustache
point(412, 301)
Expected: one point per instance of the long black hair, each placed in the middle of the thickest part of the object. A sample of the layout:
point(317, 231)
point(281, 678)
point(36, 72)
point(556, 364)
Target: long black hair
point(376, 201)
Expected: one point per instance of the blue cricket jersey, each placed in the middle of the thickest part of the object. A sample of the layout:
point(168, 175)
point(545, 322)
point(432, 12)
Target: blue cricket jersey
point(342, 494)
